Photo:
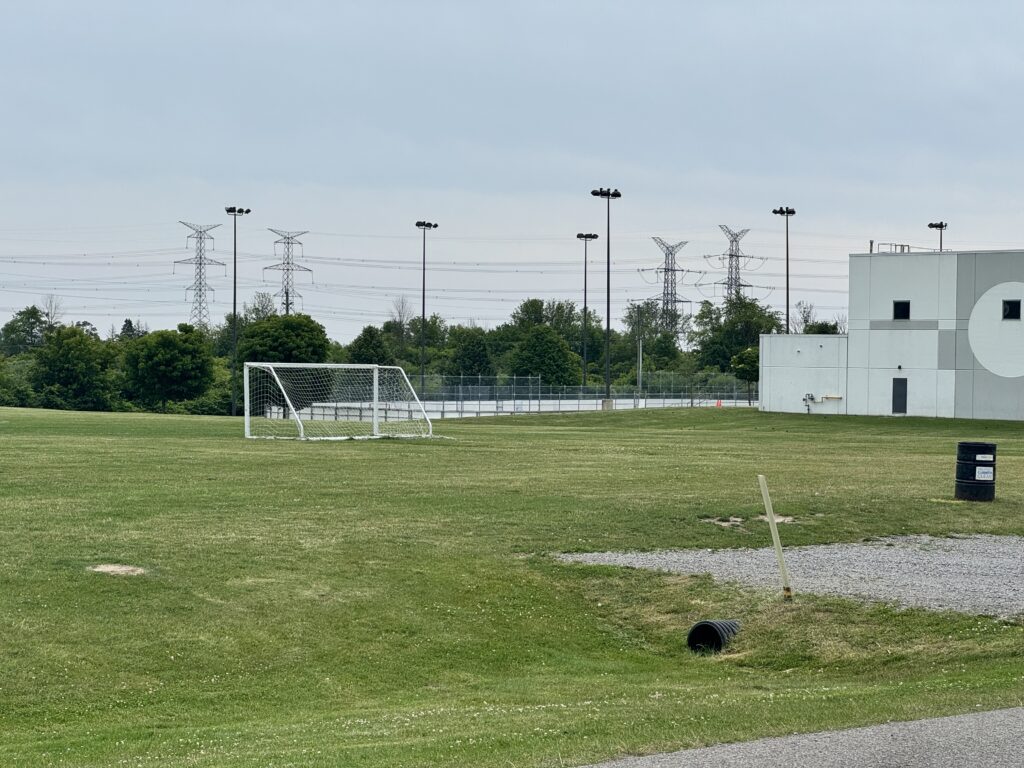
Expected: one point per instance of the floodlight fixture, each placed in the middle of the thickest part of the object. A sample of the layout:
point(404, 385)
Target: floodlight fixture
point(941, 226)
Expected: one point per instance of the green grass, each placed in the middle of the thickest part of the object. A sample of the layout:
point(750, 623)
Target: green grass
point(394, 603)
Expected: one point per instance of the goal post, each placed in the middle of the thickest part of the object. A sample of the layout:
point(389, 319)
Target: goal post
point(324, 401)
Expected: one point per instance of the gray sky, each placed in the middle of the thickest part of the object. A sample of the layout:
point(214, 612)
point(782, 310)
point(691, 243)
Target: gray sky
point(353, 120)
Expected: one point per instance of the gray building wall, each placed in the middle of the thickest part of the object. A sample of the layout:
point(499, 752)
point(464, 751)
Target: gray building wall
point(959, 356)
point(991, 387)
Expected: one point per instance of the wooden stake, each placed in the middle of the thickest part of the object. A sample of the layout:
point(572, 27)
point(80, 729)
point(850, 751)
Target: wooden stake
point(787, 591)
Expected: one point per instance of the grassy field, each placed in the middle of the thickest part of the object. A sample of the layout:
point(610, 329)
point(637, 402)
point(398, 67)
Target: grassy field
point(395, 604)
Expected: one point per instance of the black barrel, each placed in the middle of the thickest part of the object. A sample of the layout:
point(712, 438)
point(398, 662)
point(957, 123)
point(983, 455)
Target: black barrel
point(976, 471)
point(711, 636)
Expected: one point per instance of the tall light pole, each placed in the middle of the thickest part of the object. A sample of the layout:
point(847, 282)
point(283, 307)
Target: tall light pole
point(234, 211)
point(586, 238)
point(608, 195)
point(639, 347)
point(424, 226)
point(785, 211)
point(941, 226)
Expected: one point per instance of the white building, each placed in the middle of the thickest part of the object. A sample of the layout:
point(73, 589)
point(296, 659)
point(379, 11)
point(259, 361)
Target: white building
point(930, 334)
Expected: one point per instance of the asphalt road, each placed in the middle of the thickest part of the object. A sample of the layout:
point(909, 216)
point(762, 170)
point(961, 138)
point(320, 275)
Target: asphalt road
point(991, 739)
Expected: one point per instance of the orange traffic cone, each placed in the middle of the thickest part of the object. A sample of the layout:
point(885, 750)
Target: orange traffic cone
point(718, 404)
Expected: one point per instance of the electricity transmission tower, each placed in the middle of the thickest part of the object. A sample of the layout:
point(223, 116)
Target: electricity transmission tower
point(200, 316)
point(735, 259)
point(670, 318)
point(288, 267)
point(669, 297)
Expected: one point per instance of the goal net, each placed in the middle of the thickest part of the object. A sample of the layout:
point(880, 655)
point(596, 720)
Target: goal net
point(331, 402)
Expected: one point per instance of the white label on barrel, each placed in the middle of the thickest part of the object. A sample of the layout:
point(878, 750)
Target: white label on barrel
point(984, 473)
point(984, 457)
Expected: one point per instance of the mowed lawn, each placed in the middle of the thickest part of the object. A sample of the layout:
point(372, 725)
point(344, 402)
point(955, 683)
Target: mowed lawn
point(394, 603)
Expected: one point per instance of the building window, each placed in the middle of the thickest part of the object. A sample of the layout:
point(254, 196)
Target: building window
point(901, 310)
point(1011, 309)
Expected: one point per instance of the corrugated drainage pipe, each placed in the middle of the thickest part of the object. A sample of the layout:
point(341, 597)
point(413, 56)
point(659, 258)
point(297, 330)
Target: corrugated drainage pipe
point(711, 636)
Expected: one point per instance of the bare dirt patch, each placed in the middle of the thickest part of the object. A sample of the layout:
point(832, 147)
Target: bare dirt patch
point(778, 518)
point(115, 569)
point(727, 522)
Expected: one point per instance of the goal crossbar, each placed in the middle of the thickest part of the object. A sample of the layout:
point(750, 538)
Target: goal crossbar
point(326, 401)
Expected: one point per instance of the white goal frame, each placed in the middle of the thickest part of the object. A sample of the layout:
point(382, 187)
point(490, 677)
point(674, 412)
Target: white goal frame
point(386, 417)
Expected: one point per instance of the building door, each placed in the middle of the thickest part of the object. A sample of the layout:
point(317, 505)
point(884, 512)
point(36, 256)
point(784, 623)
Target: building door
point(899, 395)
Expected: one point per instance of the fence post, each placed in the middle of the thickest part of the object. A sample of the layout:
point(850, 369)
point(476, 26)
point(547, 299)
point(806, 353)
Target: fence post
point(376, 400)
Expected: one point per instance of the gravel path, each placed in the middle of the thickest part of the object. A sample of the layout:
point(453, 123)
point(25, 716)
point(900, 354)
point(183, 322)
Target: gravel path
point(991, 739)
point(970, 574)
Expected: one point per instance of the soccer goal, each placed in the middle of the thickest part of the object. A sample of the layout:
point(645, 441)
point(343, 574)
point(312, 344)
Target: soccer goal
point(331, 402)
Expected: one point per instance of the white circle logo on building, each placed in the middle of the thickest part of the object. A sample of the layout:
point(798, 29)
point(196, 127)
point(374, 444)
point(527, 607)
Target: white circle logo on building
point(998, 344)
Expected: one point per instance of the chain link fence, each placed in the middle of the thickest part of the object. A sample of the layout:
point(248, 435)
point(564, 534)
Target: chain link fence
point(459, 396)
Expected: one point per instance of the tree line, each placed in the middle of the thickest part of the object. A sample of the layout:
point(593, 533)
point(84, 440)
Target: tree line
point(47, 363)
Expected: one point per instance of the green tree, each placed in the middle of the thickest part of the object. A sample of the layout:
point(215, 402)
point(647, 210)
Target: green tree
point(720, 333)
point(623, 355)
point(528, 314)
point(566, 320)
point(23, 332)
point(501, 343)
point(706, 337)
point(223, 336)
point(595, 341)
point(71, 371)
point(830, 327)
point(284, 339)
point(396, 328)
point(370, 348)
point(336, 353)
point(469, 354)
point(16, 377)
point(435, 332)
point(664, 351)
point(560, 315)
point(434, 337)
point(544, 353)
point(261, 307)
point(746, 367)
point(88, 327)
point(643, 321)
point(169, 365)
point(395, 333)
point(130, 330)
point(670, 321)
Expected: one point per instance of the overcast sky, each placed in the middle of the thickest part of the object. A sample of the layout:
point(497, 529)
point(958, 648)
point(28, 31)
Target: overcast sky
point(354, 119)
